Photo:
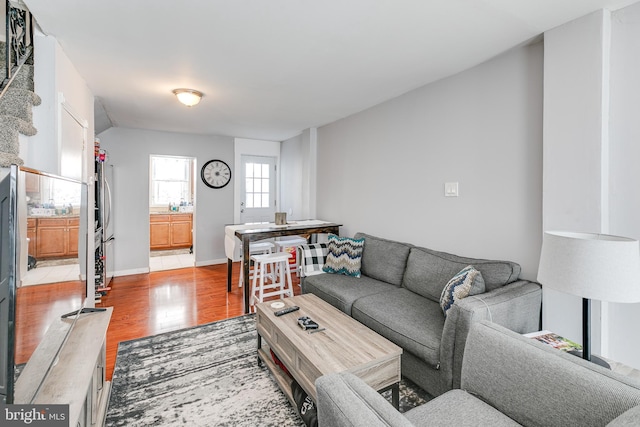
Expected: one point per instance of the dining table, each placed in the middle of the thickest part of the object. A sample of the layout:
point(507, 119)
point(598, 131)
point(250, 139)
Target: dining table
point(238, 238)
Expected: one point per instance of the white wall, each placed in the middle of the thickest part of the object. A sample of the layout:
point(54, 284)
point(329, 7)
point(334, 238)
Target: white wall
point(55, 79)
point(291, 173)
point(590, 165)
point(129, 151)
point(298, 175)
point(382, 171)
point(575, 146)
point(624, 342)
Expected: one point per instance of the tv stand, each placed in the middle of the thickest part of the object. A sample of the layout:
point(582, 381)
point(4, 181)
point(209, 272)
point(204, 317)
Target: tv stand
point(84, 310)
point(78, 378)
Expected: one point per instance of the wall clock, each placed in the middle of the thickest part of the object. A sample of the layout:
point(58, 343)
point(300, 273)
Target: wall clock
point(215, 173)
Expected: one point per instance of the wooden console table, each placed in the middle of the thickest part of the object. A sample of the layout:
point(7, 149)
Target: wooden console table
point(248, 233)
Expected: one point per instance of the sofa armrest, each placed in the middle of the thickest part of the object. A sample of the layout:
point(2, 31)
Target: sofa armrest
point(344, 400)
point(631, 418)
point(515, 306)
point(535, 384)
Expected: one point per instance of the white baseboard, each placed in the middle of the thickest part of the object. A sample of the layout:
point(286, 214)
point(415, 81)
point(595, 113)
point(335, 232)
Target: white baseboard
point(131, 272)
point(211, 262)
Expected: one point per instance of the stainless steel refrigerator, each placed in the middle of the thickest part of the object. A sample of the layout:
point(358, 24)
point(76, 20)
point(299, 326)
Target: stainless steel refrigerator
point(104, 226)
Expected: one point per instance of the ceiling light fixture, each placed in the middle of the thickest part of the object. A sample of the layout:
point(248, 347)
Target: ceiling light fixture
point(188, 97)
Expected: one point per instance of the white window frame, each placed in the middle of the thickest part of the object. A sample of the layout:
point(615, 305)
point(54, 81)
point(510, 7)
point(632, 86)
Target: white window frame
point(186, 193)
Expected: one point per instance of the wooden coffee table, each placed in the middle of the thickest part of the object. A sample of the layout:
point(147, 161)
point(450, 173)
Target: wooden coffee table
point(344, 345)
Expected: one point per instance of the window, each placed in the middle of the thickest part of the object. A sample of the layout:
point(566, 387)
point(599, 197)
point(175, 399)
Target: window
point(257, 185)
point(64, 192)
point(170, 180)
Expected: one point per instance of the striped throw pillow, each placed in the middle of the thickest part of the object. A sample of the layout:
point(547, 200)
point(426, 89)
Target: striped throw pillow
point(344, 256)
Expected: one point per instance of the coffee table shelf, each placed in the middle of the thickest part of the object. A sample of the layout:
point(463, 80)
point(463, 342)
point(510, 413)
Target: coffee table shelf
point(283, 380)
point(344, 345)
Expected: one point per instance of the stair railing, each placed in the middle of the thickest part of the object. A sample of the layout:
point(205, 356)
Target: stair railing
point(19, 41)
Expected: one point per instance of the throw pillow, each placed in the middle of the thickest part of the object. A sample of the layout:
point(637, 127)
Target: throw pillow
point(344, 256)
point(312, 258)
point(467, 282)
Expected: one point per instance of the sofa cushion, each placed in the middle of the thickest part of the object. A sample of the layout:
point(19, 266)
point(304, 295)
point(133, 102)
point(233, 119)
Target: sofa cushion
point(384, 259)
point(344, 256)
point(467, 282)
point(341, 291)
point(457, 408)
point(406, 319)
point(428, 271)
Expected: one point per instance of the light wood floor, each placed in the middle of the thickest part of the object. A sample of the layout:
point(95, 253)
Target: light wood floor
point(163, 301)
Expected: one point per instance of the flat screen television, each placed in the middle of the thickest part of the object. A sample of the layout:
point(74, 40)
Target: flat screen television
point(43, 220)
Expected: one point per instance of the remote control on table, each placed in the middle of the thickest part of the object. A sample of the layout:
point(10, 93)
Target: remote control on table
point(286, 310)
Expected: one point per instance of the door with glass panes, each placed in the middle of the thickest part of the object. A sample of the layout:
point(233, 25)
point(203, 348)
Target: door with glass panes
point(258, 189)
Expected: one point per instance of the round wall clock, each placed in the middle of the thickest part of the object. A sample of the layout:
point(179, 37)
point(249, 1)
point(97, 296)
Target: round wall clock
point(215, 173)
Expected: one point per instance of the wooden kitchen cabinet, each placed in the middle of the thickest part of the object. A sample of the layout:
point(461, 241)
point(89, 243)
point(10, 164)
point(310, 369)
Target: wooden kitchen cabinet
point(73, 234)
point(170, 231)
point(57, 237)
point(31, 235)
point(160, 231)
point(181, 225)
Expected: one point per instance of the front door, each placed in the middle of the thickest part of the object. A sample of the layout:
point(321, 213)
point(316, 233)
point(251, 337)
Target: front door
point(258, 189)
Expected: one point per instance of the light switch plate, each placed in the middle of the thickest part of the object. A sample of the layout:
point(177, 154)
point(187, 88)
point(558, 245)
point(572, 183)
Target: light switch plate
point(451, 189)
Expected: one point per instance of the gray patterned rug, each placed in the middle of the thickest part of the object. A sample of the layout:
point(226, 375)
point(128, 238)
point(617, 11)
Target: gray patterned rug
point(204, 376)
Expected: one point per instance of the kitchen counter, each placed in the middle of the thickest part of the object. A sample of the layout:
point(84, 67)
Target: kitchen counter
point(53, 216)
point(170, 213)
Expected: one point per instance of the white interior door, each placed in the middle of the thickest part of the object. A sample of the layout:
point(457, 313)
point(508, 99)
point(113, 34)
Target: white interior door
point(258, 189)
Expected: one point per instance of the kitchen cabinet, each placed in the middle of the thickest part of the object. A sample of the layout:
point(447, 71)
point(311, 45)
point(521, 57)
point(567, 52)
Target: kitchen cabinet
point(160, 231)
point(181, 226)
point(57, 237)
point(170, 231)
point(31, 235)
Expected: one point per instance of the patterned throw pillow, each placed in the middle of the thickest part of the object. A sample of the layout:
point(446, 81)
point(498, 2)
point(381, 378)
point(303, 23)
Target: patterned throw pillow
point(312, 258)
point(344, 256)
point(467, 282)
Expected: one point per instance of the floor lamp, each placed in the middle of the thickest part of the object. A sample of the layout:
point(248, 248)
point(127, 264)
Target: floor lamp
point(591, 266)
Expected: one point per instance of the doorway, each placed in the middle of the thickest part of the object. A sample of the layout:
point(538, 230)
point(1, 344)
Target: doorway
point(171, 208)
point(257, 189)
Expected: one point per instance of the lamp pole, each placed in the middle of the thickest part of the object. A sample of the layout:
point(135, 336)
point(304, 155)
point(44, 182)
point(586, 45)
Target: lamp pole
point(586, 329)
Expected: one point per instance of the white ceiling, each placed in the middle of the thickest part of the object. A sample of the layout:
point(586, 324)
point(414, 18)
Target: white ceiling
point(272, 68)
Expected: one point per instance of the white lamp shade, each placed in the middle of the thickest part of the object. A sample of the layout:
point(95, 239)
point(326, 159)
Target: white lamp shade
point(593, 266)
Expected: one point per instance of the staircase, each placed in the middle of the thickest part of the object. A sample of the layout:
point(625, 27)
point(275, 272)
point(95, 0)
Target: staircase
point(16, 115)
point(16, 108)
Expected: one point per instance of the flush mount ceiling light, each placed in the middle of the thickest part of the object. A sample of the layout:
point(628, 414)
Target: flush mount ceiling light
point(188, 97)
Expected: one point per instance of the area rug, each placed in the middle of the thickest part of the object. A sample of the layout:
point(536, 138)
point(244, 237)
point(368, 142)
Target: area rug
point(204, 376)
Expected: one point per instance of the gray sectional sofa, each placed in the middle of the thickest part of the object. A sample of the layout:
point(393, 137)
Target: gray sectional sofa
point(507, 380)
point(398, 296)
